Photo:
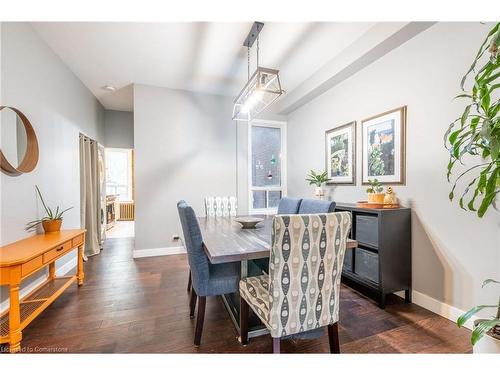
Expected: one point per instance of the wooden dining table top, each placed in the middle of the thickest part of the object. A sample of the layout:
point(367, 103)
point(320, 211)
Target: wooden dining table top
point(224, 240)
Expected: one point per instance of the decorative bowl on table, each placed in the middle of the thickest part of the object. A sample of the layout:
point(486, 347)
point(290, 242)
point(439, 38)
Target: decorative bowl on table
point(248, 222)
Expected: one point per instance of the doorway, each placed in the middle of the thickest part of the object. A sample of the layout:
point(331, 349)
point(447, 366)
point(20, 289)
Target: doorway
point(120, 186)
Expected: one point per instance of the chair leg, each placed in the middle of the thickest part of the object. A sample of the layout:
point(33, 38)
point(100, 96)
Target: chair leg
point(333, 338)
point(189, 282)
point(192, 303)
point(276, 345)
point(199, 321)
point(244, 311)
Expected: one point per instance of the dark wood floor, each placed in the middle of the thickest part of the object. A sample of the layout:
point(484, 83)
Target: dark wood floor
point(141, 305)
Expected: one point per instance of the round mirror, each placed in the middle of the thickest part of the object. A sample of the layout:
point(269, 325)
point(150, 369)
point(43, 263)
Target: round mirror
point(19, 146)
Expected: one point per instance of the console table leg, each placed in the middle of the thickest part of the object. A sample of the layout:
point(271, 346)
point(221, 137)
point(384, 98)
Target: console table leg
point(15, 334)
point(52, 270)
point(80, 275)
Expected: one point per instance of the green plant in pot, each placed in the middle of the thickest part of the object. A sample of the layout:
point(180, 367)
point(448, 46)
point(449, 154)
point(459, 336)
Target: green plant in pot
point(52, 220)
point(484, 327)
point(476, 133)
point(317, 179)
point(375, 192)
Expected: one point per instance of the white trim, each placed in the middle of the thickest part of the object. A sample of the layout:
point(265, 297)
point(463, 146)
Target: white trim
point(160, 251)
point(443, 309)
point(62, 270)
point(282, 125)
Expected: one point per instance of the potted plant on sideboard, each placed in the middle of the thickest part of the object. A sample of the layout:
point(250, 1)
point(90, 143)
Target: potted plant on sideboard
point(317, 179)
point(485, 336)
point(375, 192)
point(52, 220)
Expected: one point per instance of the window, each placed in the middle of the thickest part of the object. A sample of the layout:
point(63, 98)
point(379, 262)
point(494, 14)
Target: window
point(267, 165)
point(119, 176)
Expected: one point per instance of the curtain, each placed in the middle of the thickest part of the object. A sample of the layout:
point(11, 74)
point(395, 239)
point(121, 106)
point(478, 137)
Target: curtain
point(90, 196)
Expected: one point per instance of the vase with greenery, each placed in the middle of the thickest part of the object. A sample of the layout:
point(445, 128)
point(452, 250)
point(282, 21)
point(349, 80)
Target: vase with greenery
point(490, 327)
point(375, 192)
point(317, 179)
point(476, 133)
point(52, 220)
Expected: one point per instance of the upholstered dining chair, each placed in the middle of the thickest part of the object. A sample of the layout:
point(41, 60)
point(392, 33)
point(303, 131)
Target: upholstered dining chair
point(221, 206)
point(207, 279)
point(315, 206)
point(288, 206)
point(217, 206)
point(301, 292)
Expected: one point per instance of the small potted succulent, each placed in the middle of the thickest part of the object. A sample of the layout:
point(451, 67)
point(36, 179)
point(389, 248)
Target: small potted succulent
point(375, 192)
point(317, 179)
point(485, 336)
point(52, 221)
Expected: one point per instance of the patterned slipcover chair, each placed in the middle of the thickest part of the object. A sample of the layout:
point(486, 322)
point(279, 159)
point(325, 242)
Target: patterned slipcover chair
point(301, 292)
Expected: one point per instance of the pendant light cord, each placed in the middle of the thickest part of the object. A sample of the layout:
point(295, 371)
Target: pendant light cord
point(257, 51)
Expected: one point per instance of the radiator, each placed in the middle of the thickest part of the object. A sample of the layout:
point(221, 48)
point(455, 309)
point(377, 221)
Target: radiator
point(127, 211)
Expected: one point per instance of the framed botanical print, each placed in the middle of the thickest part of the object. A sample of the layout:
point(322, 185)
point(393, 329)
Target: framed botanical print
point(340, 152)
point(383, 147)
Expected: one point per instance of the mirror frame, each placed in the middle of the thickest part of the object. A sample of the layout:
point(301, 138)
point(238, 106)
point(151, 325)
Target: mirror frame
point(30, 158)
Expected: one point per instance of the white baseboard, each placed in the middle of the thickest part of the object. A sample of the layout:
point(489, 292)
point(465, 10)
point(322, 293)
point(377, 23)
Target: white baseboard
point(61, 270)
point(143, 253)
point(446, 311)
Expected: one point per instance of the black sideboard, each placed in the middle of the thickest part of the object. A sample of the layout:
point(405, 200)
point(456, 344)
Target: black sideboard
point(381, 264)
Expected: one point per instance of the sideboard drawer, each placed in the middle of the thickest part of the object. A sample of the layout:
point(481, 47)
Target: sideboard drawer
point(366, 264)
point(367, 230)
point(32, 265)
point(57, 251)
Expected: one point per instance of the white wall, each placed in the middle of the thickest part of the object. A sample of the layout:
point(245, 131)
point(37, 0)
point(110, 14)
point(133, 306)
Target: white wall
point(453, 250)
point(118, 129)
point(59, 107)
point(185, 148)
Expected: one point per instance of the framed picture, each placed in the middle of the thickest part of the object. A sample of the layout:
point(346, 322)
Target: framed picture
point(340, 151)
point(383, 147)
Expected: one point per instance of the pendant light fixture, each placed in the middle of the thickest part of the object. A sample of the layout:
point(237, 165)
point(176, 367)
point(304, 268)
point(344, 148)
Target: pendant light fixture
point(262, 88)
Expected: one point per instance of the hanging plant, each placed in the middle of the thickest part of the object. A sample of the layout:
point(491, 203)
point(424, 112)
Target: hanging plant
point(477, 131)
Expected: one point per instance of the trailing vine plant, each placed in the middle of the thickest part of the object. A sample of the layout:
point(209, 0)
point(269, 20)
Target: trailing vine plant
point(477, 131)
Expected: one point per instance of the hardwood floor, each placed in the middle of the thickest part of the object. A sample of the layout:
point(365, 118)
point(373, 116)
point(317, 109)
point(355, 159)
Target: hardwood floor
point(138, 306)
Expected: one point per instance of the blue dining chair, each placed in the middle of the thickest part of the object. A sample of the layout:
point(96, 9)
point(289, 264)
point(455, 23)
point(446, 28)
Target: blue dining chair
point(315, 206)
point(207, 279)
point(288, 206)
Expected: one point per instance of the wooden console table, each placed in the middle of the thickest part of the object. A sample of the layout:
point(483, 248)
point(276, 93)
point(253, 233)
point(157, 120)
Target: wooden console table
point(25, 257)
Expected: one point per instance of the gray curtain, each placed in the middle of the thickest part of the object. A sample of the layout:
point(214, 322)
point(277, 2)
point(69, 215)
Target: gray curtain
point(90, 195)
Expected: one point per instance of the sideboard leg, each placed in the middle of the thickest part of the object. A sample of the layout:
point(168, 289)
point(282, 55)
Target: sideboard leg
point(80, 275)
point(15, 334)
point(408, 295)
point(381, 301)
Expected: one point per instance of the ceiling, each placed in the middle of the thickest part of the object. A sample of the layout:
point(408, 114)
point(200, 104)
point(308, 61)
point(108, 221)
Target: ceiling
point(199, 57)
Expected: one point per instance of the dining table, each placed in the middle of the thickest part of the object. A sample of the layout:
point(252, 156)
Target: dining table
point(225, 241)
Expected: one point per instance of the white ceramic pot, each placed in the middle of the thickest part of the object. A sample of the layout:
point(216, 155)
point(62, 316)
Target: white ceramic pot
point(487, 344)
point(319, 192)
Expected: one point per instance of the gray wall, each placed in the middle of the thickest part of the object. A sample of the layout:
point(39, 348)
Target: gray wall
point(118, 129)
point(185, 148)
point(59, 107)
point(453, 250)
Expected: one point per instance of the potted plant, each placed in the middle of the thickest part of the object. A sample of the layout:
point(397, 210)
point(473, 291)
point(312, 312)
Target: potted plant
point(475, 134)
point(318, 179)
point(375, 192)
point(52, 221)
point(485, 336)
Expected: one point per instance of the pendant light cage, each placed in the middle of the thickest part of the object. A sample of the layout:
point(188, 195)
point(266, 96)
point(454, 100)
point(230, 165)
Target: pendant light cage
point(262, 89)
